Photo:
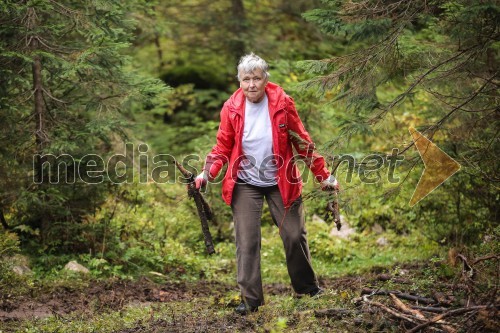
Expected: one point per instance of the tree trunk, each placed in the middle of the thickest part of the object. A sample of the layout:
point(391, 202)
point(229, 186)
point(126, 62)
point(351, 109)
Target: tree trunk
point(159, 51)
point(40, 115)
point(239, 28)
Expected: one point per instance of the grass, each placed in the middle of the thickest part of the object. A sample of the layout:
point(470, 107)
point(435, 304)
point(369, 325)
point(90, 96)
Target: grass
point(163, 243)
point(358, 266)
point(281, 313)
point(332, 259)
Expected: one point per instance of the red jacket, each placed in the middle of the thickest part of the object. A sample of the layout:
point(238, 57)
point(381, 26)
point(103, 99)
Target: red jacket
point(284, 117)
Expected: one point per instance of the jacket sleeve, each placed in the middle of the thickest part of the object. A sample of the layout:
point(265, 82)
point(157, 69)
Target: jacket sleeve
point(221, 152)
point(303, 143)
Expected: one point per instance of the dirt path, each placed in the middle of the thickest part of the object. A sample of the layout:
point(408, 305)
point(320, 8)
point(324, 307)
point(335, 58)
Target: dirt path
point(110, 295)
point(114, 295)
point(206, 306)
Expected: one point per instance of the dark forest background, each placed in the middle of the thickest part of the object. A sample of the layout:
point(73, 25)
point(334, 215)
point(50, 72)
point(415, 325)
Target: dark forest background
point(81, 79)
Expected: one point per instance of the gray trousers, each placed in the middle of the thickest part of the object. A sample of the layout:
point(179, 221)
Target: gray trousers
point(247, 210)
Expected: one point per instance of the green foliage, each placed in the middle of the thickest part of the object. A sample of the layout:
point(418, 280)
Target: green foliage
point(379, 69)
point(86, 84)
point(201, 77)
point(102, 70)
point(11, 283)
point(419, 65)
point(9, 243)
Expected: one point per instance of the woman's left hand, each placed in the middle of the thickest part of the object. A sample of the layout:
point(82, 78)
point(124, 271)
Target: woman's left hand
point(330, 184)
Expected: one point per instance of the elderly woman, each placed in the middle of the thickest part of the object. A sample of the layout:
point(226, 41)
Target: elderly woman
point(259, 124)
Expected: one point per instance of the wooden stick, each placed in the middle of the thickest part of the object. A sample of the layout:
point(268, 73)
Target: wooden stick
point(204, 211)
point(441, 298)
point(337, 313)
point(406, 309)
point(467, 267)
point(391, 311)
point(399, 294)
point(419, 314)
point(430, 309)
point(491, 256)
point(446, 314)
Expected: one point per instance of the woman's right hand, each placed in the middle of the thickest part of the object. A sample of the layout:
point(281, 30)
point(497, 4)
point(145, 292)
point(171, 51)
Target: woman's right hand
point(201, 180)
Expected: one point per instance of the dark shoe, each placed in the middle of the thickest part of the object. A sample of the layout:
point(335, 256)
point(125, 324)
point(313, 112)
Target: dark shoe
point(244, 309)
point(316, 292)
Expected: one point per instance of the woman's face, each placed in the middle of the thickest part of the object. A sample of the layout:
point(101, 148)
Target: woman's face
point(253, 85)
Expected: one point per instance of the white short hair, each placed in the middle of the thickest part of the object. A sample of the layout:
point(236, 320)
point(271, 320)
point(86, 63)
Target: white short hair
point(250, 62)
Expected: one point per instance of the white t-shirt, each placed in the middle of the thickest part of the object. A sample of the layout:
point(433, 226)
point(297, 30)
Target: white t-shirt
point(258, 167)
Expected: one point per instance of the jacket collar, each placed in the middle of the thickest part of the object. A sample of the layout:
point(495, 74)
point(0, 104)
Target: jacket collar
point(275, 96)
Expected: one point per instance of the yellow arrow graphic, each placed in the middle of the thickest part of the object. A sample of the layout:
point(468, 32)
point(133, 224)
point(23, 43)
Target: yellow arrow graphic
point(439, 166)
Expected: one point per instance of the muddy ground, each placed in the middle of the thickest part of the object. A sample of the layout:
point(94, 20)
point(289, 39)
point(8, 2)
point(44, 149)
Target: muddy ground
point(106, 296)
point(109, 295)
point(115, 295)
